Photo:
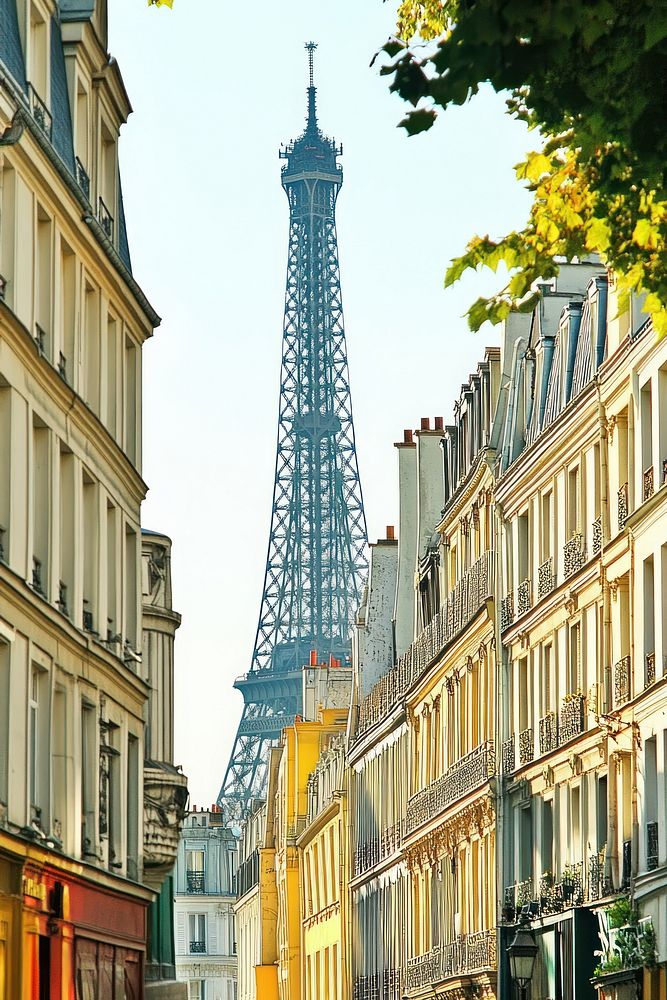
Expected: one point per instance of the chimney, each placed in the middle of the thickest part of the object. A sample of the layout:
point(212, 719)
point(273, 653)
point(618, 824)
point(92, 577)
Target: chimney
point(430, 488)
point(426, 423)
point(313, 657)
point(373, 636)
point(404, 599)
point(390, 533)
point(439, 424)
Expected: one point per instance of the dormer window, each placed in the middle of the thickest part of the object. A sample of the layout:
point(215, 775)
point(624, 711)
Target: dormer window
point(82, 138)
point(107, 181)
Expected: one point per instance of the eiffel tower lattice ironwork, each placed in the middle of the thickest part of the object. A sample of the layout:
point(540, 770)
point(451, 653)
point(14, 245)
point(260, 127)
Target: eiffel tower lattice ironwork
point(316, 561)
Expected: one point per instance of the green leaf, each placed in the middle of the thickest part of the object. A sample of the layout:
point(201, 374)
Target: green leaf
point(418, 121)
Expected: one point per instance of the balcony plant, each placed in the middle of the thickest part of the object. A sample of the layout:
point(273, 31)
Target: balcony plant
point(628, 942)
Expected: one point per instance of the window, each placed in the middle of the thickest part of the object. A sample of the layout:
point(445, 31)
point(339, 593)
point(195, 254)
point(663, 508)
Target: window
point(131, 381)
point(573, 501)
point(601, 812)
point(7, 233)
point(547, 835)
point(5, 649)
point(67, 530)
point(546, 527)
point(5, 468)
point(131, 588)
point(574, 659)
point(91, 345)
point(38, 742)
point(524, 550)
point(82, 129)
point(575, 823)
point(43, 280)
point(646, 417)
point(133, 806)
point(90, 551)
point(38, 53)
point(40, 507)
point(546, 680)
point(59, 763)
point(197, 927)
point(88, 780)
point(649, 621)
point(197, 989)
point(195, 871)
point(525, 843)
point(112, 578)
point(112, 375)
point(65, 362)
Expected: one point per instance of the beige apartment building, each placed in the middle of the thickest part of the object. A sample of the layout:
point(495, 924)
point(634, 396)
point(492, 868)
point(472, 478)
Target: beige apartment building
point(74, 844)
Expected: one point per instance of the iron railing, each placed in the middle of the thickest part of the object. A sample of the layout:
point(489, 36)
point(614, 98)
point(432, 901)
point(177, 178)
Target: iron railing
point(506, 612)
point(37, 584)
point(62, 365)
point(548, 733)
point(523, 598)
point(508, 756)
point(3, 532)
point(375, 850)
point(247, 875)
point(597, 535)
point(574, 555)
point(463, 777)
point(40, 338)
point(106, 219)
point(195, 881)
point(626, 873)
point(652, 846)
point(463, 603)
point(62, 597)
point(598, 883)
point(622, 506)
point(517, 896)
point(464, 956)
point(546, 581)
point(572, 718)
point(647, 483)
point(82, 178)
point(526, 746)
point(622, 681)
point(649, 670)
point(198, 947)
point(40, 112)
point(385, 985)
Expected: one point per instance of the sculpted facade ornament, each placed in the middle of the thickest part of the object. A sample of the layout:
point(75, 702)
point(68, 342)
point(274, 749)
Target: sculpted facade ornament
point(570, 603)
point(613, 587)
point(524, 639)
point(548, 776)
point(445, 839)
point(611, 424)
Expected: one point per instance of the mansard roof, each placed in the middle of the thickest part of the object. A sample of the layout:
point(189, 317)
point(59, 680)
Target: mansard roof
point(551, 365)
point(11, 51)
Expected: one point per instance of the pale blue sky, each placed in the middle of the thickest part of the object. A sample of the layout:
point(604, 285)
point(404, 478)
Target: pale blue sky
point(216, 87)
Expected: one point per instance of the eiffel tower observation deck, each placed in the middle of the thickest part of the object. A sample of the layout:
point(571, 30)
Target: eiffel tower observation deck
point(316, 562)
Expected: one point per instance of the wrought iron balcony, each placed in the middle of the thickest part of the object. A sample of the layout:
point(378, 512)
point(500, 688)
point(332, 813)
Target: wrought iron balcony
point(106, 219)
point(375, 850)
point(506, 612)
point(523, 598)
point(652, 846)
point(626, 873)
point(649, 670)
point(195, 881)
point(62, 597)
point(574, 555)
point(40, 112)
point(3, 533)
point(37, 584)
point(647, 483)
point(508, 756)
point(597, 535)
point(548, 733)
point(517, 896)
point(463, 777)
point(526, 746)
point(598, 884)
point(247, 875)
point(62, 365)
point(198, 947)
point(464, 956)
point(385, 985)
point(82, 178)
point(463, 603)
point(559, 894)
point(40, 338)
point(622, 682)
point(546, 581)
point(622, 506)
point(572, 718)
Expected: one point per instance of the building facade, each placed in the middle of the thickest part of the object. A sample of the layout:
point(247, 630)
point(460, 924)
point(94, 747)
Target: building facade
point(205, 892)
point(73, 691)
point(255, 921)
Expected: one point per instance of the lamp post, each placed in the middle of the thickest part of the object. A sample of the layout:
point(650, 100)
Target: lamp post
point(522, 953)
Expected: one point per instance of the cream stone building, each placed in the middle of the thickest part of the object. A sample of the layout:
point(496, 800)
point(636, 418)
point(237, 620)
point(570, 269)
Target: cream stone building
point(74, 844)
point(255, 923)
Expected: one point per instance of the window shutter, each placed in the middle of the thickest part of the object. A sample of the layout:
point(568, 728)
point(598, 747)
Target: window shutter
point(212, 927)
point(180, 934)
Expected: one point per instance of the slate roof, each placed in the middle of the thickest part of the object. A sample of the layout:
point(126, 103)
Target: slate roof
point(61, 135)
point(11, 53)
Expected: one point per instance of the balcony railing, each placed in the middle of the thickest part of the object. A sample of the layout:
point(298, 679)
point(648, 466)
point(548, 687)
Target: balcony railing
point(647, 483)
point(506, 612)
point(526, 746)
point(598, 883)
point(548, 733)
point(652, 846)
point(375, 850)
point(622, 682)
point(559, 894)
point(516, 896)
point(3, 541)
point(546, 580)
point(62, 365)
point(247, 875)
point(574, 555)
point(622, 506)
point(649, 670)
point(195, 881)
point(385, 985)
point(461, 606)
point(82, 178)
point(464, 956)
point(198, 947)
point(40, 112)
point(597, 536)
point(463, 777)
point(508, 756)
point(523, 598)
point(626, 873)
point(572, 718)
point(106, 219)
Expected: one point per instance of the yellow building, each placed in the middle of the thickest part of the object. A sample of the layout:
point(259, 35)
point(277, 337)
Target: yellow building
point(323, 870)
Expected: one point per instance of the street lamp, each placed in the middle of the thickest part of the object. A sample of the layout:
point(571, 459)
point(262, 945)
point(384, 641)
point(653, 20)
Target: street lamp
point(522, 954)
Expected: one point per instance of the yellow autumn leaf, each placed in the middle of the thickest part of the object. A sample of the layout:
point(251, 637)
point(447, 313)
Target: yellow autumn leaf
point(161, 3)
point(597, 235)
point(645, 235)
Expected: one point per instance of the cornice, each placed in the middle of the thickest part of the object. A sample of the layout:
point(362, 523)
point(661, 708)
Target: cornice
point(451, 830)
point(465, 492)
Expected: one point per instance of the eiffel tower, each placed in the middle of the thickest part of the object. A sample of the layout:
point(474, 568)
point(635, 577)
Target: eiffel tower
point(316, 562)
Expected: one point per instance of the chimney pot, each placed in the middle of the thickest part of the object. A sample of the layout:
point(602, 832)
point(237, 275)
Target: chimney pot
point(313, 657)
point(390, 532)
point(426, 423)
point(439, 423)
point(407, 437)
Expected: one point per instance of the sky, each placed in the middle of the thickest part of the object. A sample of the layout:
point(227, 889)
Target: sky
point(216, 88)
